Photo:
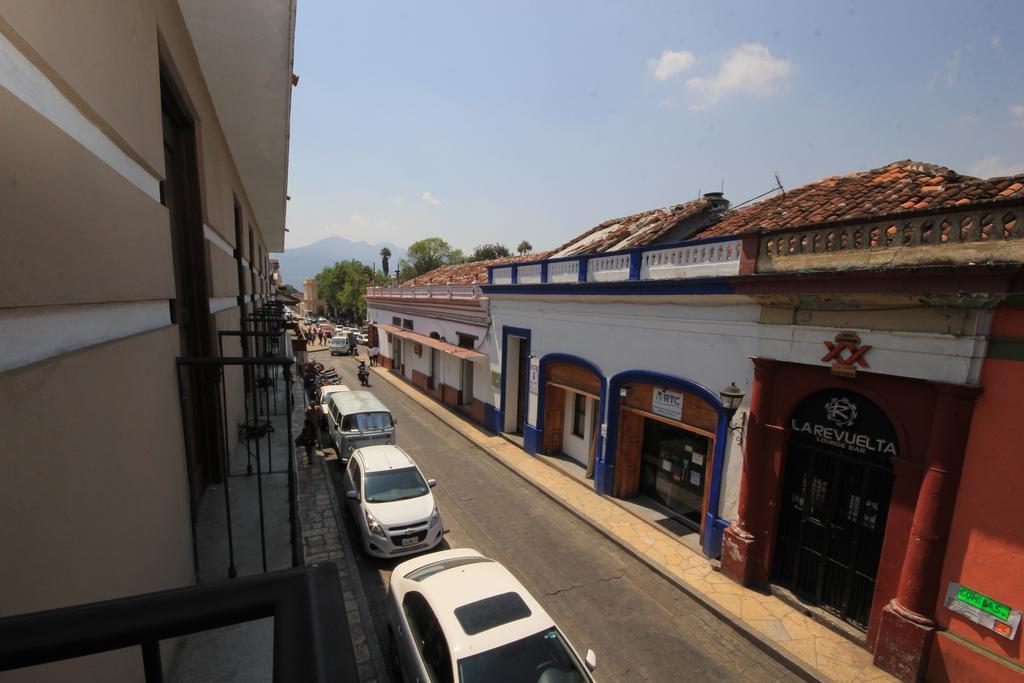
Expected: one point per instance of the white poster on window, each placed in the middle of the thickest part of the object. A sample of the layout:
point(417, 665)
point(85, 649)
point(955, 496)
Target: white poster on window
point(667, 404)
point(534, 376)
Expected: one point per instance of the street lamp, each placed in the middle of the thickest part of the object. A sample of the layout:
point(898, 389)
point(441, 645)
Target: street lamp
point(732, 397)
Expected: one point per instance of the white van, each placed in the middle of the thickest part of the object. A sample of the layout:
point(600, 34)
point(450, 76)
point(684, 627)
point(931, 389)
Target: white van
point(356, 419)
point(340, 345)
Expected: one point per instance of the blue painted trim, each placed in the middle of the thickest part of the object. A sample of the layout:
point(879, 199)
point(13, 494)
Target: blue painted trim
point(490, 414)
point(544, 271)
point(635, 258)
point(515, 274)
point(531, 438)
point(642, 248)
point(605, 483)
point(506, 332)
point(708, 285)
point(581, 275)
point(542, 378)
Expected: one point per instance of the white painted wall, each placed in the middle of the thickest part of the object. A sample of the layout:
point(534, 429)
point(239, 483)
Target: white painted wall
point(706, 342)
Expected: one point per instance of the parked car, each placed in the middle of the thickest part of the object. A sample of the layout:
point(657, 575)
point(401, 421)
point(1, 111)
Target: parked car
point(457, 615)
point(391, 502)
point(357, 419)
point(326, 391)
point(364, 339)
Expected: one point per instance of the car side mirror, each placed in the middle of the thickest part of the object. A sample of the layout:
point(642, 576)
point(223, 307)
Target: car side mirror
point(352, 495)
point(431, 483)
point(591, 660)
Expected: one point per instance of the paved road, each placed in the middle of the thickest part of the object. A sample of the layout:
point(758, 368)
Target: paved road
point(640, 626)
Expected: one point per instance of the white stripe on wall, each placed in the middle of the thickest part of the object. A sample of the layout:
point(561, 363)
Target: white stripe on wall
point(245, 263)
point(28, 335)
point(218, 241)
point(222, 303)
point(21, 77)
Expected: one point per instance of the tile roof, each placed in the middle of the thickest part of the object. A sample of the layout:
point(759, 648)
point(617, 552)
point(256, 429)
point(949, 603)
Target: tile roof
point(899, 187)
point(631, 231)
point(474, 272)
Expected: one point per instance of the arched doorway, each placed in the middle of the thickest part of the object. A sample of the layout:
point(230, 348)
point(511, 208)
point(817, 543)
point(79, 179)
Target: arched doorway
point(836, 486)
point(570, 408)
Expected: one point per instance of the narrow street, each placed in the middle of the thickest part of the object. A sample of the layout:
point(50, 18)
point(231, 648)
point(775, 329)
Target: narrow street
point(640, 626)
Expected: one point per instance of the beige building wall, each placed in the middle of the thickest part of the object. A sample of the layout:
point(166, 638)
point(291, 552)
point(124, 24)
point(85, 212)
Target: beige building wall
point(94, 495)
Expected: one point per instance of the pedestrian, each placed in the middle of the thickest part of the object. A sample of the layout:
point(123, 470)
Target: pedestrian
point(307, 439)
point(375, 355)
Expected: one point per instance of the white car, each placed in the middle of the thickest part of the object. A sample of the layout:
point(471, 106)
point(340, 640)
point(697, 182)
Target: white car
point(340, 346)
point(456, 615)
point(391, 502)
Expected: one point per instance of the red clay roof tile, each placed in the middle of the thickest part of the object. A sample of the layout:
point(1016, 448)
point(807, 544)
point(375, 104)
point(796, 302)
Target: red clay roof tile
point(899, 186)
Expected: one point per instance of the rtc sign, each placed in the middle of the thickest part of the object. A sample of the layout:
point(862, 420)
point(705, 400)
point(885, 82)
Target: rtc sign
point(667, 404)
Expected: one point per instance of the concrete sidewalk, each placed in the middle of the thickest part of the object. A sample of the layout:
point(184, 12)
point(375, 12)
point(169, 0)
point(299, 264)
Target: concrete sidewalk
point(792, 636)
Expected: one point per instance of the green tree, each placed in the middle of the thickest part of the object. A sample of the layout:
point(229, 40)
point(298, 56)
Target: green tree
point(385, 254)
point(428, 254)
point(486, 252)
point(343, 287)
point(524, 248)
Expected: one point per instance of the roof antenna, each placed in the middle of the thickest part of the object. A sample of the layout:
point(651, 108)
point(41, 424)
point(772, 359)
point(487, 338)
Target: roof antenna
point(779, 183)
point(698, 191)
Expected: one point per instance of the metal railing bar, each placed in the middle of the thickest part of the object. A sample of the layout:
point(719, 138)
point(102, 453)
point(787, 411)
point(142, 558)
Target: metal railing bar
point(311, 637)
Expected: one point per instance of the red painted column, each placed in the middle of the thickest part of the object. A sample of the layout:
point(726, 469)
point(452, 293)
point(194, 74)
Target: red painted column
point(908, 625)
point(743, 542)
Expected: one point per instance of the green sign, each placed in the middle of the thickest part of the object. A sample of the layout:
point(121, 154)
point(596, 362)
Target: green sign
point(984, 603)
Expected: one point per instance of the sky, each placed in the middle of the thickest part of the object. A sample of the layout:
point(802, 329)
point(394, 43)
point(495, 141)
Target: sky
point(482, 122)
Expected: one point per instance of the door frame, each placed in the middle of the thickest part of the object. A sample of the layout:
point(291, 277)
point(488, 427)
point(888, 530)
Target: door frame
point(604, 472)
point(525, 336)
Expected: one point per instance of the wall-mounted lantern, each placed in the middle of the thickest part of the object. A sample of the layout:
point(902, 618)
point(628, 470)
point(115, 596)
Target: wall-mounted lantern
point(732, 397)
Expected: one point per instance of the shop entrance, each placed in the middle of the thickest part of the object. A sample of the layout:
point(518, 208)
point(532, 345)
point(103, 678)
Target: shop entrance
point(572, 412)
point(673, 469)
point(836, 486)
point(665, 450)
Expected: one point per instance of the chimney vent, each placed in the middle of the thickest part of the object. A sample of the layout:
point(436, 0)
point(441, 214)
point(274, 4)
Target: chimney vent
point(717, 200)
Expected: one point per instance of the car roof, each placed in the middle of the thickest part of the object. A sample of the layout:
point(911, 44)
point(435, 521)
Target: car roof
point(448, 590)
point(352, 402)
point(384, 457)
point(328, 389)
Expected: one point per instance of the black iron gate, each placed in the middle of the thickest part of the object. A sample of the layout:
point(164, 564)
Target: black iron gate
point(835, 497)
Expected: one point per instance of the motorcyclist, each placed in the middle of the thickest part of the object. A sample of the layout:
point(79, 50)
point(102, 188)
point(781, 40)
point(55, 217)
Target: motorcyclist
point(363, 373)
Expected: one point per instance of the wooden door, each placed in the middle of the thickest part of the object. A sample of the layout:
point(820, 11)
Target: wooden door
point(554, 419)
point(627, 454)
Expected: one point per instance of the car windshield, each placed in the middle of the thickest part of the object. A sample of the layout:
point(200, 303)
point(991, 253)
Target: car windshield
point(544, 656)
point(366, 422)
point(392, 485)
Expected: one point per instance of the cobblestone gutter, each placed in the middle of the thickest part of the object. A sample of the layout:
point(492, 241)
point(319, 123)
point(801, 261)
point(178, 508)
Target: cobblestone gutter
point(324, 538)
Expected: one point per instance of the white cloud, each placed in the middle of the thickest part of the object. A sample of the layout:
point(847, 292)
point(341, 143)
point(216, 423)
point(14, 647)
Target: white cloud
point(996, 42)
point(1018, 114)
point(431, 199)
point(398, 201)
point(749, 68)
point(671, 63)
point(953, 68)
point(357, 219)
point(991, 166)
point(969, 118)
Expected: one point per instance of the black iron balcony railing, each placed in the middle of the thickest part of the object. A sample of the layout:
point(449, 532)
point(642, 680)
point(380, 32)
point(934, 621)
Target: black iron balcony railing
point(311, 636)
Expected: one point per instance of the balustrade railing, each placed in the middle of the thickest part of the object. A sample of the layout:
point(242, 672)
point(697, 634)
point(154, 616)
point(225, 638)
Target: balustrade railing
point(712, 257)
point(427, 292)
point(989, 225)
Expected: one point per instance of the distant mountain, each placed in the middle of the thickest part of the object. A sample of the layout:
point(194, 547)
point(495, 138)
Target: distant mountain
point(303, 263)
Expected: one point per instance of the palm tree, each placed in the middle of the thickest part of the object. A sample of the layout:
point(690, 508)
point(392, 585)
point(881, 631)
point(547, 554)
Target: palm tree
point(524, 248)
point(385, 254)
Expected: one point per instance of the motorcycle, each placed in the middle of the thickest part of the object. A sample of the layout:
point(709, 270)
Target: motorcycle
point(364, 375)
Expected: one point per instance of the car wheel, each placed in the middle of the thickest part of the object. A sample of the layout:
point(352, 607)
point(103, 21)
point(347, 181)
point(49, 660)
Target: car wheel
point(394, 660)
